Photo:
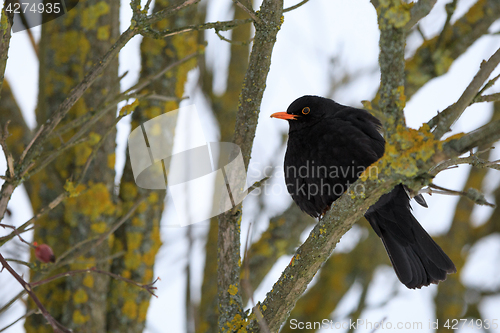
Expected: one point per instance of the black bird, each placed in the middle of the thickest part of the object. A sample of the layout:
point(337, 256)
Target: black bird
point(329, 145)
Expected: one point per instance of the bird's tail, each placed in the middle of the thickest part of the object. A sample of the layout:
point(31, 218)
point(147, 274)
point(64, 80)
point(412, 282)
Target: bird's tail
point(416, 258)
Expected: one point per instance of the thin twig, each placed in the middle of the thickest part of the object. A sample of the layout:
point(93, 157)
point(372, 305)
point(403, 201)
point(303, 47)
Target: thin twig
point(487, 98)
point(234, 42)
point(419, 11)
point(221, 26)
point(30, 144)
point(303, 2)
point(443, 121)
point(249, 11)
point(169, 11)
point(148, 287)
point(473, 159)
point(17, 233)
point(98, 241)
point(42, 212)
point(57, 327)
point(147, 80)
point(450, 9)
point(26, 315)
point(472, 194)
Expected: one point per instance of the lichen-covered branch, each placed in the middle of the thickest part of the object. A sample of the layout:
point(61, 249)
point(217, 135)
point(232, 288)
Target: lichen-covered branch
point(224, 108)
point(230, 305)
point(336, 278)
point(281, 237)
point(392, 16)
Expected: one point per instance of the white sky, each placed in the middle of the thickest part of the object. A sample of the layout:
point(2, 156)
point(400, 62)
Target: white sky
point(309, 38)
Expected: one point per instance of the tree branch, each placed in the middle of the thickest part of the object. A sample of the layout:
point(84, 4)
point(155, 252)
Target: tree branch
point(55, 325)
point(419, 10)
point(443, 121)
point(230, 304)
point(392, 63)
point(484, 135)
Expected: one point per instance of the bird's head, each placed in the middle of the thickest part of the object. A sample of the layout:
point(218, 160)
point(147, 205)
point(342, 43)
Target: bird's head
point(305, 110)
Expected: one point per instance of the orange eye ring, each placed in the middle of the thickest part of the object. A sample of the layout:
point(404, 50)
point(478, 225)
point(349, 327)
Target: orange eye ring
point(306, 110)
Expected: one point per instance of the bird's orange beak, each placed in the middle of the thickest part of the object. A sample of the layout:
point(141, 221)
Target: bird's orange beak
point(283, 115)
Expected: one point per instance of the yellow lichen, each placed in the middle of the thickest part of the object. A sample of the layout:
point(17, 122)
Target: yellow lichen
point(80, 296)
point(79, 318)
point(98, 227)
point(94, 202)
point(132, 260)
point(233, 290)
point(91, 14)
point(103, 32)
point(134, 240)
point(129, 309)
point(129, 191)
point(153, 198)
point(142, 311)
point(129, 108)
point(88, 281)
point(475, 13)
point(111, 160)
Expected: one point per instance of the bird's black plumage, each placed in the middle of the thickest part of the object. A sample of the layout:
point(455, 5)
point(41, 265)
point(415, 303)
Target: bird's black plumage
point(329, 145)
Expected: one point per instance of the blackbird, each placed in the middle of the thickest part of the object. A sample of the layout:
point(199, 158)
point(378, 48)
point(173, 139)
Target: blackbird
point(329, 145)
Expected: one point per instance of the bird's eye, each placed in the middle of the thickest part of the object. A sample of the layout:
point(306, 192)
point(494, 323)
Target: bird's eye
point(306, 110)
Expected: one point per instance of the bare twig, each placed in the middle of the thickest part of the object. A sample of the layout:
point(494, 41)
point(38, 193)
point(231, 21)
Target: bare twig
point(303, 2)
point(75, 95)
point(221, 26)
point(450, 9)
point(258, 184)
point(61, 260)
point(473, 160)
point(148, 287)
point(57, 327)
point(248, 10)
point(472, 194)
point(42, 212)
point(27, 314)
point(488, 85)
point(419, 11)
point(16, 232)
point(30, 144)
point(169, 11)
point(443, 121)
point(147, 80)
point(241, 43)
point(487, 134)
point(487, 98)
